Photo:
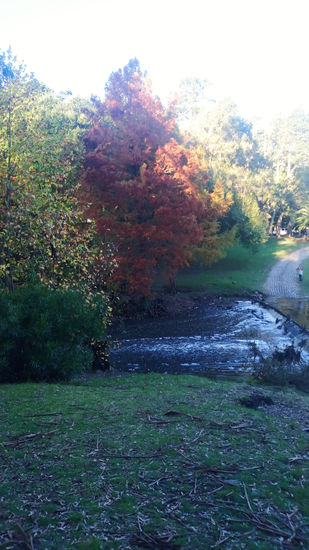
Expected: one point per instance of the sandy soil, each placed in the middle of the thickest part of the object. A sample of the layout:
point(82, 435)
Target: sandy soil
point(283, 281)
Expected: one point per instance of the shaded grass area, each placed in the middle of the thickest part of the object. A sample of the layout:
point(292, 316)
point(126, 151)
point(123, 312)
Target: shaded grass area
point(241, 271)
point(152, 461)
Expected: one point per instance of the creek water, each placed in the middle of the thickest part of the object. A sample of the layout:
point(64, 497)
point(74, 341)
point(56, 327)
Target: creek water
point(218, 337)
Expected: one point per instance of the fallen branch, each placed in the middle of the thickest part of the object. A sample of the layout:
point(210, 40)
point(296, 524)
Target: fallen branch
point(214, 470)
point(43, 414)
point(129, 456)
point(221, 541)
point(27, 539)
point(247, 498)
point(156, 420)
point(19, 440)
point(265, 525)
point(159, 421)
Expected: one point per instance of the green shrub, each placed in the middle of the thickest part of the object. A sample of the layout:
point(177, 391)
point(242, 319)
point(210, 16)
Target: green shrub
point(283, 368)
point(43, 333)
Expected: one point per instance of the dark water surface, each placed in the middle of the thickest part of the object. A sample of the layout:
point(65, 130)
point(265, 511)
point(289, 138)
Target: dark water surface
point(214, 337)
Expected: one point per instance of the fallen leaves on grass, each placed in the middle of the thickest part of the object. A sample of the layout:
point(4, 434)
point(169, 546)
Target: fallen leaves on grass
point(141, 473)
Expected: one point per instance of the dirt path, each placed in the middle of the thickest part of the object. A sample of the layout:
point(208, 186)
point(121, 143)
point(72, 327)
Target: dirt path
point(282, 281)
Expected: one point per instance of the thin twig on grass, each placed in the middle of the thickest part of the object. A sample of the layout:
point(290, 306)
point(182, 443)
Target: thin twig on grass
point(19, 440)
point(221, 541)
point(247, 498)
point(130, 456)
point(43, 414)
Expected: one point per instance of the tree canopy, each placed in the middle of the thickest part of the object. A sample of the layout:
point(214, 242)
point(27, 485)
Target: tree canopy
point(43, 229)
point(147, 191)
point(120, 192)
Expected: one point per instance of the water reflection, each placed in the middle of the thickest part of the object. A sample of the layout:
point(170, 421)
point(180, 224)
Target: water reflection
point(296, 309)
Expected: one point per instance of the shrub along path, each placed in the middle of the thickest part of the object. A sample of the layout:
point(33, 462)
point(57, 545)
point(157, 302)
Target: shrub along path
point(152, 461)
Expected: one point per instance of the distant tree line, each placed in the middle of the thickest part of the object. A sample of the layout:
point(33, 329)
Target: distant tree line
point(111, 195)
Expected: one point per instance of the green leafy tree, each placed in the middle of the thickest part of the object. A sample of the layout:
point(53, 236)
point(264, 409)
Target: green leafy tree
point(286, 145)
point(42, 227)
point(233, 156)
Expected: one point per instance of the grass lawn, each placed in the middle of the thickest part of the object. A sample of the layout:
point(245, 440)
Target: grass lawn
point(241, 271)
point(152, 461)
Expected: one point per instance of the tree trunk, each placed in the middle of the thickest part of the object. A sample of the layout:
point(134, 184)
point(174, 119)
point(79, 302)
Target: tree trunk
point(290, 226)
point(289, 171)
point(279, 224)
point(271, 223)
point(171, 285)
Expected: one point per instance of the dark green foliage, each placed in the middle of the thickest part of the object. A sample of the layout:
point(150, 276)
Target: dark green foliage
point(100, 351)
point(283, 368)
point(93, 544)
point(256, 400)
point(249, 229)
point(43, 333)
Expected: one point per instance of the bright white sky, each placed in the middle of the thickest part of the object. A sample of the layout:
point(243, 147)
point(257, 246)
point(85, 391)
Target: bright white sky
point(253, 51)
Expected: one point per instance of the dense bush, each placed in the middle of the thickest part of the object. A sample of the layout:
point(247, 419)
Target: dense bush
point(283, 368)
point(43, 333)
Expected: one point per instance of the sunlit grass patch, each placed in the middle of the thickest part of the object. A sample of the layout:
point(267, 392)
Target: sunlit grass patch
point(241, 271)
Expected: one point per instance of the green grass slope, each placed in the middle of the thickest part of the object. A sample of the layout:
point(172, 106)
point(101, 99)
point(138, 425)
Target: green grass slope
point(241, 271)
point(151, 461)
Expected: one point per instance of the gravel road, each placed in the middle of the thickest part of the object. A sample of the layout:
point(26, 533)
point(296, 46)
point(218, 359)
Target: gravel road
point(282, 281)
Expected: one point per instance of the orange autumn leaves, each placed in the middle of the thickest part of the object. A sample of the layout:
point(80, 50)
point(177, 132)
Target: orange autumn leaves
point(146, 191)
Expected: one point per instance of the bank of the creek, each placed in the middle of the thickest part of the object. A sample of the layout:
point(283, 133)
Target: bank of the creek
point(216, 336)
point(296, 309)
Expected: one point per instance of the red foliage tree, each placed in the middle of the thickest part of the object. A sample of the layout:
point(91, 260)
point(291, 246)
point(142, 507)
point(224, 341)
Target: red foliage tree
point(141, 184)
